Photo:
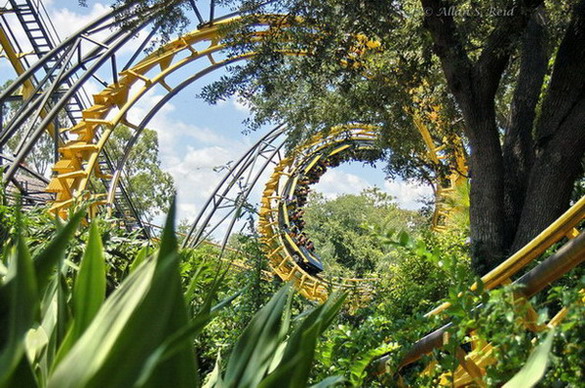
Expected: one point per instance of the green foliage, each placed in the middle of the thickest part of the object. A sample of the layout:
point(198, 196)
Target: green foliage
point(117, 337)
point(60, 329)
point(497, 318)
point(415, 276)
point(265, 356)
point(151, 187)
point(341, 230)
point(89, 290)
point(535, 366)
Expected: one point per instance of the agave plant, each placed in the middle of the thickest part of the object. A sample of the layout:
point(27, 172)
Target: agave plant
point(58, 329)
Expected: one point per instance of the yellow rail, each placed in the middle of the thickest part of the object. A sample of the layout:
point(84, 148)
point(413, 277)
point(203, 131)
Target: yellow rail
point(473, 365)
point(79, 157)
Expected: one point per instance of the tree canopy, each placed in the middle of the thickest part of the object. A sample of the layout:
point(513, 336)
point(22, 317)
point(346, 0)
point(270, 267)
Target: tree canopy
point(506, 75)
point(341, 229)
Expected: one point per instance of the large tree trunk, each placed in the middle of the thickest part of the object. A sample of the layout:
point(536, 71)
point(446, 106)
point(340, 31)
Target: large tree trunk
point(518, 147)
point(553, 177)
point(486, 211)
point(560, 136)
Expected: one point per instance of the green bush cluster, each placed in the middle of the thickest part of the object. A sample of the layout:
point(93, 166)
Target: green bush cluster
point(432, 269)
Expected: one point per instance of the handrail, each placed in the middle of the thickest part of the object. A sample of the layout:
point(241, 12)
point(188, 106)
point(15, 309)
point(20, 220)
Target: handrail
point(552, 234)
point(570, 255)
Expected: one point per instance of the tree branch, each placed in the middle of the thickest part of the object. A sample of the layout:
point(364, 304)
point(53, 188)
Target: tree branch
point(567, 85)
point(500, 44)
point(448, 45)
point(518, 148)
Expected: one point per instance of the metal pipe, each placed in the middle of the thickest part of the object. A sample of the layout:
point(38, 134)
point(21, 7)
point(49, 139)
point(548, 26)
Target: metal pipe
point(67, 95)
point(34, 99)
point(36, 66)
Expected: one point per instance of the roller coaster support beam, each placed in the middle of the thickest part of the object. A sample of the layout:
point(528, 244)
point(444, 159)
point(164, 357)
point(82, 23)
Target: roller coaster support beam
point(195, 235)
point(57, 107)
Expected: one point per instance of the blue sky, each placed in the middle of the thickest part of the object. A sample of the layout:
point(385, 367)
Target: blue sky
point(196, 137)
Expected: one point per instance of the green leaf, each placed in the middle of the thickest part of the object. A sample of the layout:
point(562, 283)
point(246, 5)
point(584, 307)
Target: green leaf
point(89, 291)
point(403, 238)
point(252, 354)
point(24, 306)
point(23, 376)
point(358, 367)
point(298, 355)
point(331, 381)
point(136, 319)
point(45, 262)
point(214, 378)
point(295, 368)
point(140, 257)
point(182, 339)
point(35, 342)
point(535, 366)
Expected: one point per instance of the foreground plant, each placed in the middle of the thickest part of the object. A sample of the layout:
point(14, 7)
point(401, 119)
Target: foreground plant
point(58, 329)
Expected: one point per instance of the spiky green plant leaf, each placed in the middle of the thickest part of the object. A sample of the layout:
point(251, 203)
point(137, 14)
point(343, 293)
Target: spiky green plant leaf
point(182, 339)
point(252, 354)
point(332, 381)
point(46, 260)
point(140, 257)
point(89, 291)
point(134, 321)
point(24, 304)
point(295, 365)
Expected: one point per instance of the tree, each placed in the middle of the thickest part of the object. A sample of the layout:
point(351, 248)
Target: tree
point(509, 72)
point(340, 228)
point(150, 187)
point(514, 74)
point(521, 184)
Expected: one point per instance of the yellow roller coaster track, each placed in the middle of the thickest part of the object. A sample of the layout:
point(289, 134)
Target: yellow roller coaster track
point(274, 210)
point(79, 157)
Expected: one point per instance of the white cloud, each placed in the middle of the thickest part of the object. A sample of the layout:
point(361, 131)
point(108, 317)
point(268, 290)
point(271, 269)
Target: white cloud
point(336, 182)
point(408, 195)
point(195, 174)
point(191, 154)
point(172, 132)
point(68, 21)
